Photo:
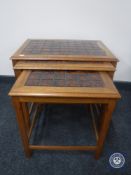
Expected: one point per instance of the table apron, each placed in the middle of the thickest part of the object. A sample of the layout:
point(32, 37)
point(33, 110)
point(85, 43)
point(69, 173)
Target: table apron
point(65, 100)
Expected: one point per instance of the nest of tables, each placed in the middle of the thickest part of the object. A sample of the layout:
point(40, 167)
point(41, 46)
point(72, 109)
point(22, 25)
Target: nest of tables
point(63, 72)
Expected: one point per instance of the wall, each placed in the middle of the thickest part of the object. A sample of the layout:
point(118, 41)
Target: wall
point(104, 20)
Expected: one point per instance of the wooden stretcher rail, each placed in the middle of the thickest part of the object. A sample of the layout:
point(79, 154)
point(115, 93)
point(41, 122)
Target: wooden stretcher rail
point(31, 106)
point(35, 116)
point(94, 122)
point(80, 148)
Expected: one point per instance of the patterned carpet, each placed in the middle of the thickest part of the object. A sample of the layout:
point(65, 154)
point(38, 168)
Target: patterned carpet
point(59, 123)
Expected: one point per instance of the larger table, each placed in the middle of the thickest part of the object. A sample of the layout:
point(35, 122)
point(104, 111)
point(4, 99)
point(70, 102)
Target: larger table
point(63, 87)
point(64, 71)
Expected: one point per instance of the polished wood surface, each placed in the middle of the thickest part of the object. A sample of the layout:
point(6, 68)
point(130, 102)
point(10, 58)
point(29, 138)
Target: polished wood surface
point(65, 65)
point(22, 126)
point(72, 148)
point(106, 116)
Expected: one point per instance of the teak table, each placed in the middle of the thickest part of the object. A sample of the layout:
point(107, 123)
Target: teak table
point(66, 87)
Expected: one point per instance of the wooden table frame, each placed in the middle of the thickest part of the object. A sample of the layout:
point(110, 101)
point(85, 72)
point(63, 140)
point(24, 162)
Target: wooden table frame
point(26, 128)
point(23, 95)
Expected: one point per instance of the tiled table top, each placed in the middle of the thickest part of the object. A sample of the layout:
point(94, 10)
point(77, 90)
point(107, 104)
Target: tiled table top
point(64, 79)
point(60, 47)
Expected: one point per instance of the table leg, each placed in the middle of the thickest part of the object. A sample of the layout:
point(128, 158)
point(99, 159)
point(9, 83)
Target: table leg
point(106, 118)
point(26, 116)
point(22, 126)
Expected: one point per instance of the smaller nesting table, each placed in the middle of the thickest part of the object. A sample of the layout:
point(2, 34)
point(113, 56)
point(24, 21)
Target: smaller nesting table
point(63, 87)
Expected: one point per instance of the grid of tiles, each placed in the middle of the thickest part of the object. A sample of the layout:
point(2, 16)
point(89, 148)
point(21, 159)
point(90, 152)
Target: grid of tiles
point(64, 79)
point(63, 47)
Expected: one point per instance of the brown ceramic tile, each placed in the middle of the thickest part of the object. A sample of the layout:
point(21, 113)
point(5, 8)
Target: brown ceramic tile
point(64, 79)
point(63, 47)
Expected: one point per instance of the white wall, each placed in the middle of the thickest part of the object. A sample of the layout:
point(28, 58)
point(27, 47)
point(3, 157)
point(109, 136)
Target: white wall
point(106, 20)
